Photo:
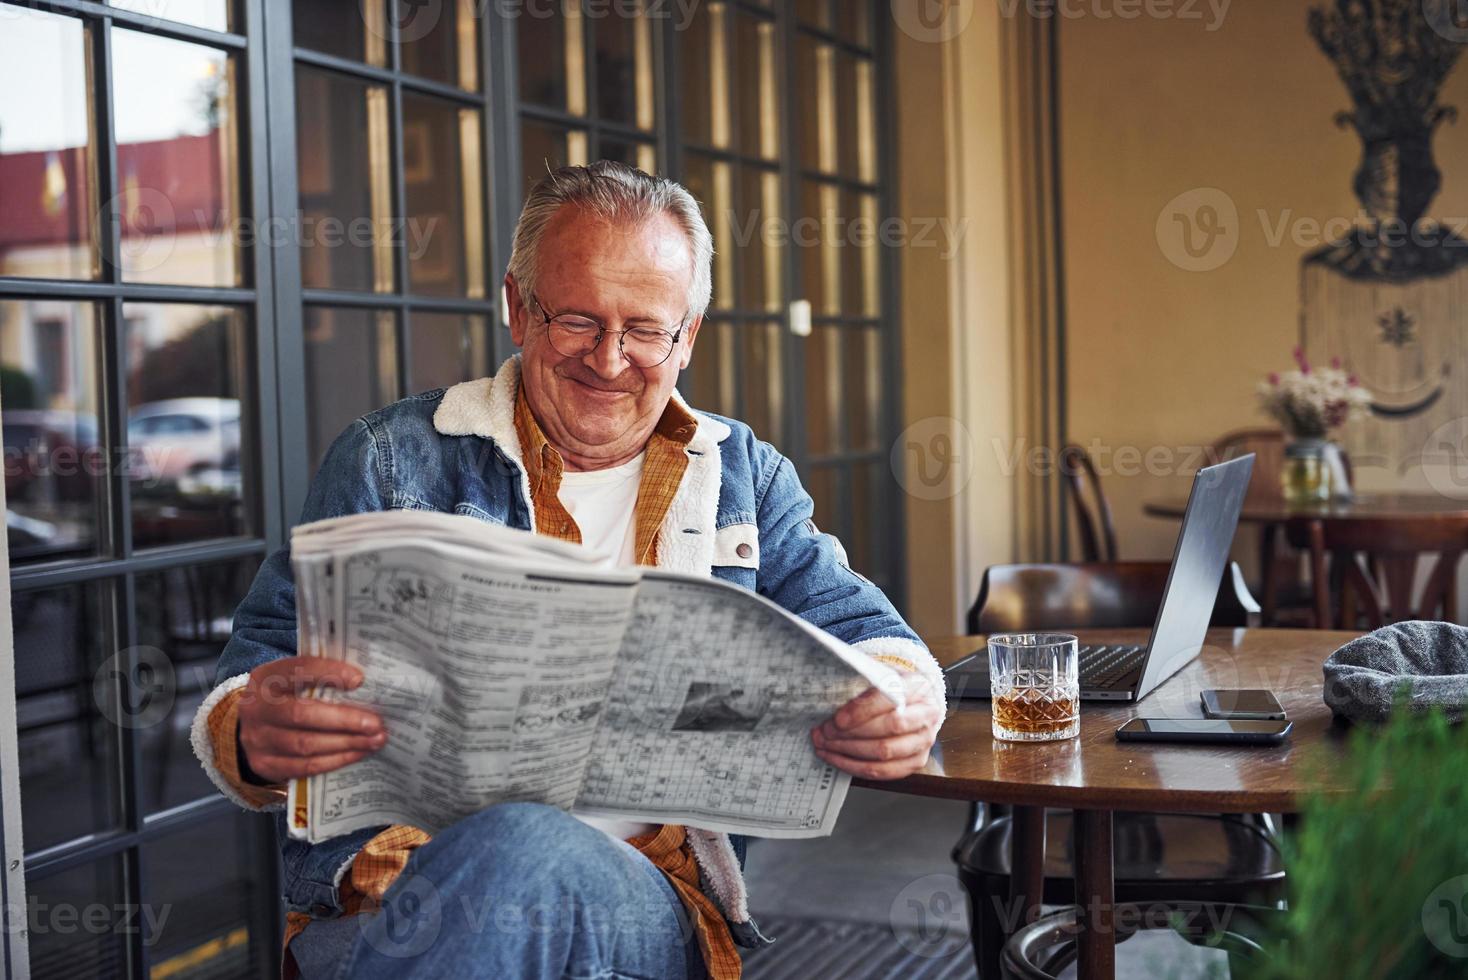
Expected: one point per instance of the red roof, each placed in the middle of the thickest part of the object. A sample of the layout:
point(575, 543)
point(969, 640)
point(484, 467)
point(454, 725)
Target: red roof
point(43, 198)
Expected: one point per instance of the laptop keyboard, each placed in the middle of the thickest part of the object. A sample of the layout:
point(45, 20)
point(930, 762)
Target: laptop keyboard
point(1103, 666)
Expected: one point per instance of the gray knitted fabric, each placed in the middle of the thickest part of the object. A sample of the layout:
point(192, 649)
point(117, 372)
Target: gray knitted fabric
point(1429, 660)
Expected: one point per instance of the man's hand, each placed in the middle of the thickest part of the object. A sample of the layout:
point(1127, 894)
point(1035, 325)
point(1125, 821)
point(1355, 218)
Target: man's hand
point(286, 736)
point(869, 737)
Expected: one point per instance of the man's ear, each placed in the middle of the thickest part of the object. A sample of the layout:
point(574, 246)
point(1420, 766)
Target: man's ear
point(515, 303)
point(692, 331)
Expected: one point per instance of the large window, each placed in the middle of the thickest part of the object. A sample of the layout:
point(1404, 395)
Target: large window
point(141, 471)
point(229, 227)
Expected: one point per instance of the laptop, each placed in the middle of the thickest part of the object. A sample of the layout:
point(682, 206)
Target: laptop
point(1115, 672)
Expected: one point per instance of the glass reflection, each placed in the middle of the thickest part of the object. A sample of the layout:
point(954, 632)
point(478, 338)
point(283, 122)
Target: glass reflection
point(47, 168)
point(354, 344)
point(763, 374)
point(58, 948)
point(186, 614)
point(208, 875)
point(441, 43)
point(543, 148)
point(345, 185)
point(66, 707)
point(184, 390)
point(444, 233)
point(447, 348)
point(354, 30)
point(823, 390)
point(55, 463)
point(177, 153)
point(713, 368)
point(555, 74)
point(211, 15)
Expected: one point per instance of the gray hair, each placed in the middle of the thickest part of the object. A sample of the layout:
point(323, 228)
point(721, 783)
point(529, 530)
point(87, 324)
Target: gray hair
point(618, 193)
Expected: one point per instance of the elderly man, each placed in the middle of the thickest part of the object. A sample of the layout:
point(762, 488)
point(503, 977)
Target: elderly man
point(582, 437)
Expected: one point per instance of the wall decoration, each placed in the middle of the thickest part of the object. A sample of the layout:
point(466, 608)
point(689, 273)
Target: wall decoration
point(1391, 297)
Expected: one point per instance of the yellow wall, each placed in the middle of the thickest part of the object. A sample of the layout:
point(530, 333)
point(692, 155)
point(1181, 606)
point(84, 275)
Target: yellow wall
point(1154, 108)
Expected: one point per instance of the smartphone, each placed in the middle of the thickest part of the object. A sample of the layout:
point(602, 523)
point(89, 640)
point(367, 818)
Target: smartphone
point(1204, 730)
point(1252, 705)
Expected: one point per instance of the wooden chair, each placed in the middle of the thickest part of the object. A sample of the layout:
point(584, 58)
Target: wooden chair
point(1094, 595)
point(1092, 510)
point(1212, 858)
point(1373, 565)
point(1282, 593)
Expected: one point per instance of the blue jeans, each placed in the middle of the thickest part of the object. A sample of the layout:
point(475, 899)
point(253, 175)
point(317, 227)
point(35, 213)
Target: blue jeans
point(517, 890)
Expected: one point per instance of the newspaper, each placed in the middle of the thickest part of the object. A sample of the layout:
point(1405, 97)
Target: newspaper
point(511, 667)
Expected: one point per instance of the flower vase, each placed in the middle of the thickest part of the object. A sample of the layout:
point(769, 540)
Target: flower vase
point(1305, 477)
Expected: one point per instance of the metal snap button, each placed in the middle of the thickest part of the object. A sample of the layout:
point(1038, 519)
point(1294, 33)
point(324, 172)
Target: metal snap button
point(744, 551)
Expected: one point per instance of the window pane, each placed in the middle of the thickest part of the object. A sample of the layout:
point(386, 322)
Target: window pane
point(760, 233)
point(184, 618)
point(710, 376)
point(447, 348)
point(816, 13)
point(544, 148)
point(823, 390)
point(815, 74)
point(54, 460)
point(763, 374)
point(711, 182)
point(47, 170)
point(444, 233)
point(862, 363)
point(177, 153)
point(855, 125)
point(346, 343)
point(868, 529)
point(57, 906)
point(345, 182)
point(817, 233)
point(210, 14)
point(441, 46)
point(854, 21)
point(186, 409)
point(209, 878)
point(355, 29)
point(624, 77)
point(863, 294)
point(759, 119)
point(643, 156)
point(698, 61)
point(67, 710)
point(552, 55)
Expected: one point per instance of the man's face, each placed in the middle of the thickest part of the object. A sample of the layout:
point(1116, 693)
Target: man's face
point(599, 410)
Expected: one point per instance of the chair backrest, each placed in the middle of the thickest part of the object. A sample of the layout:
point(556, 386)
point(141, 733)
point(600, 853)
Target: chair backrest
point(1267, 445)
point(1092, 510)
point(1092, 595)
point(1374, 565)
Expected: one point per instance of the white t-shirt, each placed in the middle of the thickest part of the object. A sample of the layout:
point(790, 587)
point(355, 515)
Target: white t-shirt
point(603, 504)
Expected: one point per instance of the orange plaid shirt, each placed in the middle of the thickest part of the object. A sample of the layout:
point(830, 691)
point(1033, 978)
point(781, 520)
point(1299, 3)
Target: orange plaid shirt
point(384, 857)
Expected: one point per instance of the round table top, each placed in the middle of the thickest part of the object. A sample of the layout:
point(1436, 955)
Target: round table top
point(1273, 510)
point(1095, 771)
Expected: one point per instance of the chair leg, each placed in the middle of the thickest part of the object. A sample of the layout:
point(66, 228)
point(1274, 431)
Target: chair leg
point(986, 928)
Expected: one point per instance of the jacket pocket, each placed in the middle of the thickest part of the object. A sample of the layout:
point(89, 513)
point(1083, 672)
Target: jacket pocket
point(737, 546)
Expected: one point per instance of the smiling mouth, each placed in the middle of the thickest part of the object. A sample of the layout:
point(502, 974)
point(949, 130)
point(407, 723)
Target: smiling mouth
point(605, 392)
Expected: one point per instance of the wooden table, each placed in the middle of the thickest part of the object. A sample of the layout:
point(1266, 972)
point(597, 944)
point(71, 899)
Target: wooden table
point(1270, 513)
point(1095, 775)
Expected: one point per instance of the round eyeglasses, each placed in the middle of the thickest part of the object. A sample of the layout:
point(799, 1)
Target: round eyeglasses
point(573, 335)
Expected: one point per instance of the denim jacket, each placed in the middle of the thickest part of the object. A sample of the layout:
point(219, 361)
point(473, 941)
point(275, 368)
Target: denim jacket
point(740, 514)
